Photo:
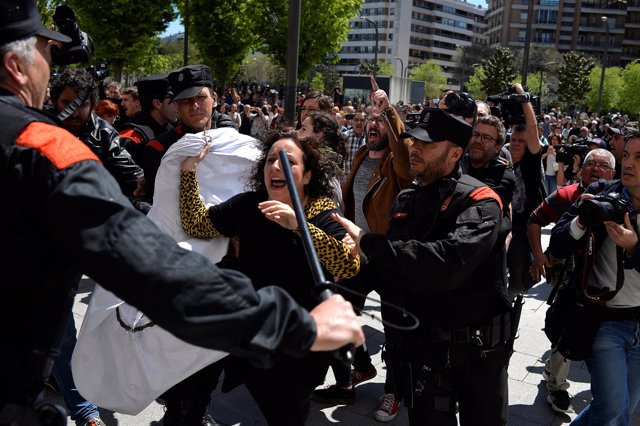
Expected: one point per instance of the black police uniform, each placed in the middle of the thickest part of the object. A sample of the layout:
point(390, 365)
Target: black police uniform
point(442, 260)
point(63, 214)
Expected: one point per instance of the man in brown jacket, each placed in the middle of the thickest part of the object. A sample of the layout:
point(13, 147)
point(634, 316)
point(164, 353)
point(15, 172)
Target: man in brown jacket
point(380, 170)
point(390, 159)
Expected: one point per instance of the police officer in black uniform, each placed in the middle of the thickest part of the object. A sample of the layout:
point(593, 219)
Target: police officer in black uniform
point(442, 261)
point(196, 101)
point(156, 116)
point(63, 214)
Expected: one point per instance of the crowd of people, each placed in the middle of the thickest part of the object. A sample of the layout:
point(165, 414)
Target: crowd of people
point(439, 212)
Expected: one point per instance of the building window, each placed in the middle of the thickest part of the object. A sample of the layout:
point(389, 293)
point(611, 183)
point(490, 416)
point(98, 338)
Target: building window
point(547, 16)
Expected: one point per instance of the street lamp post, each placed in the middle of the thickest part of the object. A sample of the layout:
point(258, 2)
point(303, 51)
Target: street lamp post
point(406, 70)
point(604, 63)
point(401, 79)
point(544, 67)
point(375, 58)
point(401, 66)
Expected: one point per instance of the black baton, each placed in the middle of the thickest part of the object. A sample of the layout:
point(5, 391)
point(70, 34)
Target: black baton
point(345, 354)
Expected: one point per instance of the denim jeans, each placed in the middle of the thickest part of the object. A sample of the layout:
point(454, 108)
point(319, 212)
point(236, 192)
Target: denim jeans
point(80, 410)
point(615, 375)
point(550, 183)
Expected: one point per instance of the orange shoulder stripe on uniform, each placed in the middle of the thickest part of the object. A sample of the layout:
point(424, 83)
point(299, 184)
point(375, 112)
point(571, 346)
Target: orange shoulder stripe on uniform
point(58, 145)
point(156, 145)
point(484, 193)
point(132, 134)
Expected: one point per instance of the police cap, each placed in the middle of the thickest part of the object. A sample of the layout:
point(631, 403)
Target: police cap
point(187, 82)
point(153, 87)
point(438, 125)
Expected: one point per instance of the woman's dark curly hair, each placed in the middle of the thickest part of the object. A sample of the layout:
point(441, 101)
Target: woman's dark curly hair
point(322, 168)
point(329, 131)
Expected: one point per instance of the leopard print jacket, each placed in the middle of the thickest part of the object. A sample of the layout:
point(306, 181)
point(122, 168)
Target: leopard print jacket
point(334, 255)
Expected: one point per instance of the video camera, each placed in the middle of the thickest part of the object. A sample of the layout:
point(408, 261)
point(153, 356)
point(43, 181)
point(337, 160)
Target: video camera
point(461, 104)
point(603, 207)
point(79, 48)
point(508, 106)
point(566, 152)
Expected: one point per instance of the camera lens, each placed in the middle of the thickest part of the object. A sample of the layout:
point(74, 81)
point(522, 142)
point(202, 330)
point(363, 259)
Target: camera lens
point(451, 100)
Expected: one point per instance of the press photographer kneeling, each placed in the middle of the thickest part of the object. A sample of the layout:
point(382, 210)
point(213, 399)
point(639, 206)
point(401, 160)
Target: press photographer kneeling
point(602, 232)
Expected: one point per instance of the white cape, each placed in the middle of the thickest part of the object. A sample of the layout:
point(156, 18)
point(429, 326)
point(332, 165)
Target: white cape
point(125, 371)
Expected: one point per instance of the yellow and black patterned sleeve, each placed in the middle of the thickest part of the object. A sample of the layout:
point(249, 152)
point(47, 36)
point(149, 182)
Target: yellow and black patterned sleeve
point(334, 255)
point(193, 213)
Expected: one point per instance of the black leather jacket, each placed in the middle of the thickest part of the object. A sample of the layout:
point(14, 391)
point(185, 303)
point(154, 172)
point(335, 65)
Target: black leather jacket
point(104, 141)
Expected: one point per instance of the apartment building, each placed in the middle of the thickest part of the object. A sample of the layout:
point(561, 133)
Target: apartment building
point(606, 29)
point(410, 32)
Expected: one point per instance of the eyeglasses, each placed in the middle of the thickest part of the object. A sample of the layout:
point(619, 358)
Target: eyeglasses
point(595, 165)
point(378, 120)
point(484, 138)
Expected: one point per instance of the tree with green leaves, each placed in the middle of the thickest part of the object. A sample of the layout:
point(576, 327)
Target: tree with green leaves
point(324, 27)
point(122, 30)
point(610, 89)
point(162, 58)
point(474, 85)
point(629, 99)
point(573, 78)
point(500, 71)
point(224, 33)
point(434, 79)
point(467, 58)
point(46, 8)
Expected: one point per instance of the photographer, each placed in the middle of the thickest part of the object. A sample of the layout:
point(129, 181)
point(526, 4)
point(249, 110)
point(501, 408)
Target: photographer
point(526, 152)
point(602, 232)
point(95, 132)
point(569, 158)
point(598, 165)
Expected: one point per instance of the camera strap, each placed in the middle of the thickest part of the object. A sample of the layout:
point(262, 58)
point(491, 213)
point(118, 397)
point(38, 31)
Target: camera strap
point(82, 97)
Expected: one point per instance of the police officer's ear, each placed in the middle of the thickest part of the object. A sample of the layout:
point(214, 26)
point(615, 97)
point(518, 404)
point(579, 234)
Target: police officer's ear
point(14, 68)
point(455, 153)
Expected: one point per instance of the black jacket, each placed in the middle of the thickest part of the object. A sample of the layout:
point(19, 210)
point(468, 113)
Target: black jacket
point(442, 255)
point(64, 215)
point(135, 134)
point(104, 141)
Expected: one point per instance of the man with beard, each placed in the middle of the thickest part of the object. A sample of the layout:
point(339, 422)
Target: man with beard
point(95, 132)
point(486, 160)
point(380, 170)
point(438, 261)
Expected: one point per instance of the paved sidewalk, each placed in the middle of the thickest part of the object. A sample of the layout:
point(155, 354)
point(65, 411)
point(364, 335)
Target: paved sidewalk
point(527, 391)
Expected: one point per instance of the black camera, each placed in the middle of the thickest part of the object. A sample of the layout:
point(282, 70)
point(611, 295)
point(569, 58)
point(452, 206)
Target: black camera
point(566, 152)
point(508, 106)
point(603, 207)
point(79, 48)
point(461, 104)
point(100, 71)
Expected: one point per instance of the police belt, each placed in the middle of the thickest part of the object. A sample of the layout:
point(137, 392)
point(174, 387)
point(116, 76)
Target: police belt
point(496, 332)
